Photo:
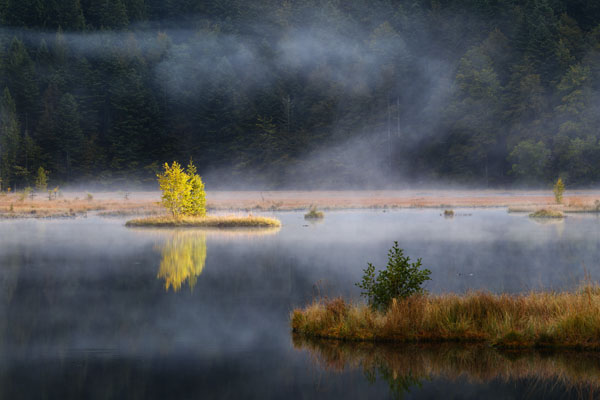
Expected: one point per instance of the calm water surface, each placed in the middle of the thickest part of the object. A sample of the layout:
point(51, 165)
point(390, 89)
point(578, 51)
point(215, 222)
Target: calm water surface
point(91, 309)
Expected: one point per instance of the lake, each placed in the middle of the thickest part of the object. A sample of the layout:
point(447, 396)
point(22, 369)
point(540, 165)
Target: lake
point(91, 309)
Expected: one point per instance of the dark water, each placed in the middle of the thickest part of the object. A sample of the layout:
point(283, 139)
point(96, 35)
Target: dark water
point(91, 309)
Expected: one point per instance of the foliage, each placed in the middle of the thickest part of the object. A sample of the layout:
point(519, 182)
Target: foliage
point(182, 192)
point(529, 160)
point(559, 189)
point(515, 104)
point(41, 180)
point(197, 201)
point(399, 280)
point(175, 189)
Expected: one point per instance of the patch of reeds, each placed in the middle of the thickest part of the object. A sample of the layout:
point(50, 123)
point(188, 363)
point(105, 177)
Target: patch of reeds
point(228, 221)
point(547, 213)
point(545, 319)
point(448, 213)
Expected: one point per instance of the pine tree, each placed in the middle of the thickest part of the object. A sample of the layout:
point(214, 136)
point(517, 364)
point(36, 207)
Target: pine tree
point(9, 139)
point(69, 133)
point(21, 81)
point(25, 13)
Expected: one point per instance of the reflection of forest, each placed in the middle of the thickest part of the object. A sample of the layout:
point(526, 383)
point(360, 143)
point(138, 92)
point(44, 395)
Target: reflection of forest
point(405, 367)
point(183, 258)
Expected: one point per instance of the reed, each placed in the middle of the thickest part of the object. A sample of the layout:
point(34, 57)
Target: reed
point(538, 319)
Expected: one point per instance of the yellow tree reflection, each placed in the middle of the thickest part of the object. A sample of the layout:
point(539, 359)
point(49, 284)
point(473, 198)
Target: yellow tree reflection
point(183, 258)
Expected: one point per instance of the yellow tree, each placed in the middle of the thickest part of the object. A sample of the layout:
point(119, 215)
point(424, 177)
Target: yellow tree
point(559, 189)
point(197, 203)
point(176, 189)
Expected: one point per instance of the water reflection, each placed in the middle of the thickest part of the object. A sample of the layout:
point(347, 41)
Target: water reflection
point(183, 259)
point(183, 255)
point(406, 367)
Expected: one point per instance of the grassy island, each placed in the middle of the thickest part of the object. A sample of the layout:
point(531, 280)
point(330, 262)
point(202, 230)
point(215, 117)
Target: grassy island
point(229, 221)
point(547, 213)
point(547, 319)
point(313, 213)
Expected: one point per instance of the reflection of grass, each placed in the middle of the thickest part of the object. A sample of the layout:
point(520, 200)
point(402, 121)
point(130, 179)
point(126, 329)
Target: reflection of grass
point(404, 366)
point(568, 319)
point(183, 258)
point(230, 221)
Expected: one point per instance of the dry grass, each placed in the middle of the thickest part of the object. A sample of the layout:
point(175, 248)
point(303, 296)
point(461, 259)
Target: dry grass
point(475, 362)
point(228, 221)
point(565, 319)
point(16, 206)
point(547, 213)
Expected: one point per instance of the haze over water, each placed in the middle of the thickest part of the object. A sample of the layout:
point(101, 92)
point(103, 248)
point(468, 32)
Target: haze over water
point(91, 309)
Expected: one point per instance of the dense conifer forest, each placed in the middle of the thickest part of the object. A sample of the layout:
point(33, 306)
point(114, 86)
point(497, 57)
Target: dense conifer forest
point(301, 93)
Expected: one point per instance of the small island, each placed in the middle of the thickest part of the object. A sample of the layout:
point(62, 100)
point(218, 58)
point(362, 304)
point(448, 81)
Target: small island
point(547, 213)
point(313, 213)
point(184, 197)
point(400, 310)
point(226, 221)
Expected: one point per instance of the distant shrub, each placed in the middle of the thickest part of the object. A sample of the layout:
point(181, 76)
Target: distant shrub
point(448, 213)
point(400, 279)
point(559, 189)
point(89, 197)
point(313, 213)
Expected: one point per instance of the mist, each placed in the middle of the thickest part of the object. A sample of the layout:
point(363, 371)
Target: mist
point(311, 96)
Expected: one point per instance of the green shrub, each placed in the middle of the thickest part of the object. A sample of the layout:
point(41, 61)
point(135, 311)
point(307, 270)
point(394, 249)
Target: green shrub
point(400, 279)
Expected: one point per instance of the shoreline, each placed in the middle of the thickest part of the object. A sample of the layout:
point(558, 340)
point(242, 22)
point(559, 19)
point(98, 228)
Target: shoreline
point(114, 204)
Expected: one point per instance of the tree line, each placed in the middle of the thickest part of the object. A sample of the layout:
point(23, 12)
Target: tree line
point(326, 93)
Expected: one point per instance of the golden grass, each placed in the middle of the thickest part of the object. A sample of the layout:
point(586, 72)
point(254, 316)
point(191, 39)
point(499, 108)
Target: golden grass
point(547, 213)
point(228, 221)
point(477, 363)
point(547, 319)
point(14, 206)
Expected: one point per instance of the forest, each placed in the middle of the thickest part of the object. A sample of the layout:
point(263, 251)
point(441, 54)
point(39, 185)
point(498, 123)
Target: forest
point(301, 93)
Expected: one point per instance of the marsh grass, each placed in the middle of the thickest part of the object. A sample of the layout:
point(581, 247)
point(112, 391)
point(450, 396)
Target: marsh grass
point(40, 207)
point(228, 221)
point(547, 213)
point(478, 363)
point(546, 319)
